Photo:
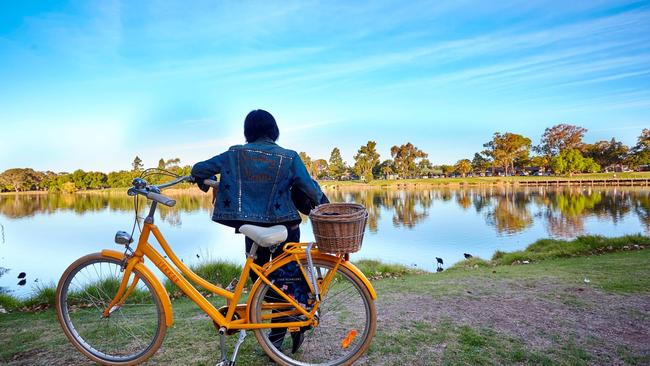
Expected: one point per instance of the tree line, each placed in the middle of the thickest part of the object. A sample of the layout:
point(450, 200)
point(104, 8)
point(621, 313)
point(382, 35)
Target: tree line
point(27, 179)
point(561, 151)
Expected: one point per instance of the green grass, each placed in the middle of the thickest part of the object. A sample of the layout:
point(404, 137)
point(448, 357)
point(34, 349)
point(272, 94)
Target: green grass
point(545, 249)
point(484, 180)
point(42, 297)
point(374, 268)
point(9, 302)
point(36, 338)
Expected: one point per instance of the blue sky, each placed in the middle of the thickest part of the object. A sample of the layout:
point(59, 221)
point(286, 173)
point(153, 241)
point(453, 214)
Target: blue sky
point(92, 84)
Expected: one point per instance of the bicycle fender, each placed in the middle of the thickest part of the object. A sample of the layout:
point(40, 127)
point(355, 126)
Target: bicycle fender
point(157, 286)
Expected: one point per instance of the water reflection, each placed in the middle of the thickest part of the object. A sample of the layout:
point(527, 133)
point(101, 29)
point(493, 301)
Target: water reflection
point(42, 234)
point(508, 210)
point(19, 206)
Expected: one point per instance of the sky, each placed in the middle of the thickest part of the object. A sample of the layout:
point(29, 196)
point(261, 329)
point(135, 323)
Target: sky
point(92, 84)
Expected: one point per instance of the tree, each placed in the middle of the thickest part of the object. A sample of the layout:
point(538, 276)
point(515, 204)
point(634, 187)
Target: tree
point(607, 153)
point(365, 160)
point(447, 169)
point(336, 166)
point(404, 158)
point(463, 167)
point(137, 164)
point(424, 167)
point(505, 148)
point(480, 163)
point(320, 167)
point(540, 161)
point(308, 164)
point(640, 153)
point(571, 161)
point(173, 162)
point(20, 179)
point(559, 138)
point(386, 168)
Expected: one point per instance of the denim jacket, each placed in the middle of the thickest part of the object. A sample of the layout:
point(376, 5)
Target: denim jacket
point(255, 183)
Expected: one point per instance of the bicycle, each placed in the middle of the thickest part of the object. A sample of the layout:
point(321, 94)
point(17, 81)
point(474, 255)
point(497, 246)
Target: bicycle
point(115, 311)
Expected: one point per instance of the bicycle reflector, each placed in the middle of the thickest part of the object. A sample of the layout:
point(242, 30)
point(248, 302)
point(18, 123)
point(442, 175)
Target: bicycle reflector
point(345, 343)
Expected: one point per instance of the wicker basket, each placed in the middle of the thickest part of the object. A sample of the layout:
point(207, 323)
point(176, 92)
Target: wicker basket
point(339, 227)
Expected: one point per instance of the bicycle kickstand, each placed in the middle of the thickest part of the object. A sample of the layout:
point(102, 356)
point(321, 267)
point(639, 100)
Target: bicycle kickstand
point(224, 355)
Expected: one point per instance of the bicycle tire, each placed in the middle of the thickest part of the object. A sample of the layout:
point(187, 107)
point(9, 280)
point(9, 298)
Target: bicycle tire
point(77, 312)
point(315, 354)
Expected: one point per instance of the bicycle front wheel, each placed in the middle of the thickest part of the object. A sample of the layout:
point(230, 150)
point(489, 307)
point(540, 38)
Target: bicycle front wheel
point(347, 321)
point(130, 334)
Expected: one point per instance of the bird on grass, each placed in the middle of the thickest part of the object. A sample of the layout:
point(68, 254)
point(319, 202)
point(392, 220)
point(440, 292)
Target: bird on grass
point(439, 263)
point(467, 255)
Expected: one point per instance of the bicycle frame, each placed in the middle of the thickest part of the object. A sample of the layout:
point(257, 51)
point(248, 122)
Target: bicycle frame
point(293, 252)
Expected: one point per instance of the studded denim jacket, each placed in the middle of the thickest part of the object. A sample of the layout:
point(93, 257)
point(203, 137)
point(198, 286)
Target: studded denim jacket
point(255, 181)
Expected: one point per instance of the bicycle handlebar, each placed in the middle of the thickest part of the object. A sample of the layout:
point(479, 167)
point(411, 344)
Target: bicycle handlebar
point(152, 192)
point(211, 183)
point(161, 198)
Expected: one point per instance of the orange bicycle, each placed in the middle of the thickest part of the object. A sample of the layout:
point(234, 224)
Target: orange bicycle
point(115, 311)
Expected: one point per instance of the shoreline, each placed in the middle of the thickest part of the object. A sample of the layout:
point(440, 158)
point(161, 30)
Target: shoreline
point(641, 179)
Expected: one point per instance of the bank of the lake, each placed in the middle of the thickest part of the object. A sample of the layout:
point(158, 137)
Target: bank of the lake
point(589, 308)
point(597, 179)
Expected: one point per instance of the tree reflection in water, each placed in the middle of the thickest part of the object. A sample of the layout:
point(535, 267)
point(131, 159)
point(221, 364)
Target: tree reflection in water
point(17, 206)
point(509, 210)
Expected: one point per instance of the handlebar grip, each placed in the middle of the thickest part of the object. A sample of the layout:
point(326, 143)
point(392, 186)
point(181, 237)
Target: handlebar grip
point(162, 199)
point(211, 183)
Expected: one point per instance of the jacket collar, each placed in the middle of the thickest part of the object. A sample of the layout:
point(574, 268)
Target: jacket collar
point(264, 140)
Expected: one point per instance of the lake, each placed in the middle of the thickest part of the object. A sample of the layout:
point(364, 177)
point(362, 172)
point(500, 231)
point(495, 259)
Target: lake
point(42, 234)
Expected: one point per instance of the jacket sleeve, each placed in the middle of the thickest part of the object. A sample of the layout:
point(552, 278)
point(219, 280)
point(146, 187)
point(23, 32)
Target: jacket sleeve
point(207, 169)
point(303, 180)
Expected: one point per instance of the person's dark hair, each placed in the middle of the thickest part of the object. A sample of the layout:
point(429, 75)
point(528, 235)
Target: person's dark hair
point(260, 123)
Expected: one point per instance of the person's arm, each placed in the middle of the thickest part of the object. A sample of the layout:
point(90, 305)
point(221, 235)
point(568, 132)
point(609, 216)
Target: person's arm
point(303, 180)
point(207, 170)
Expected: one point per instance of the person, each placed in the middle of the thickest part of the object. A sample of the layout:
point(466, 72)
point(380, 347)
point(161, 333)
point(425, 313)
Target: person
point(256, 186)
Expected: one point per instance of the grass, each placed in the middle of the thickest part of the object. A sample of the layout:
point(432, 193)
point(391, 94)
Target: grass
point(36, 338)
point(218, 272)
point(41, 298)
point(376, 269)
point(545, 249)
point(483, 180)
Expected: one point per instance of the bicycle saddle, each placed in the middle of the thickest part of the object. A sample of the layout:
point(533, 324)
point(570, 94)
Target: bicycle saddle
point(265, 236)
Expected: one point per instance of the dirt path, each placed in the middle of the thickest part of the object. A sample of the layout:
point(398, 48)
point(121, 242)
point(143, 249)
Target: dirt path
point(542, 315)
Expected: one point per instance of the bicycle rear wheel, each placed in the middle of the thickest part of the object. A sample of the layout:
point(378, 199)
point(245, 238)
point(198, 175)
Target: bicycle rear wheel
point(347, 321)
point(130, 334)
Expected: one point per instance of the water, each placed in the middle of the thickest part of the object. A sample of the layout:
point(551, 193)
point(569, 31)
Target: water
point(42, 234)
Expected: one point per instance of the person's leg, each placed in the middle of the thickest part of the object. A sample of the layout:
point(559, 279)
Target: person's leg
point(277, 334)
